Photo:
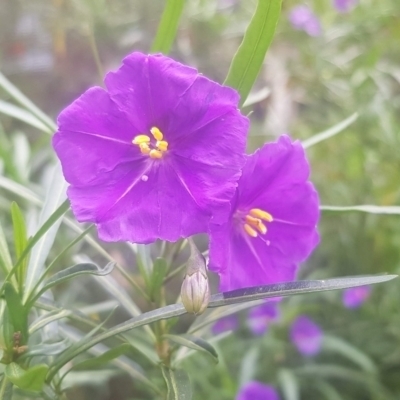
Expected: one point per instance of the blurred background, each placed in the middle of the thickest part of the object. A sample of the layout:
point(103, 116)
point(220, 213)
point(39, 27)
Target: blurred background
point(329, 59)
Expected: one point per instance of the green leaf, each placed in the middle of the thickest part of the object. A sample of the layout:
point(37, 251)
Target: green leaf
point(328, 391)
point(334, 130)
point(55, 196)
point(5, 258)
point(289, 384)
point(18, 314)
point(178, 384)
point(31, 379)
point(71, 272)
point(105, 358)
point(18, 96)
point(195, 343)
point(6, 389)
point(217, 300)
point(248, 366)
point(46, 349)
point(168, 26)
point(45, 227)
point(249, 58)
point(20, 242)
point(372, 209)
point(24, 116)
point(347, 350)
point(48, 318)
point(156, 279)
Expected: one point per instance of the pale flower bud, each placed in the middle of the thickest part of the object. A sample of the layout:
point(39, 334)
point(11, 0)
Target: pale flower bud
point(195, 292)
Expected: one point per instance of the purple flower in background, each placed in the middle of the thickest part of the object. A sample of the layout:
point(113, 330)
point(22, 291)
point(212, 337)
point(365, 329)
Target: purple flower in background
point(303, 18)
point(344, 6)
point(260, 317)
point(154, 156)
point(356, 296)
point(257, 391)
point(306, 335)
point(273, 220)
point(229, 323)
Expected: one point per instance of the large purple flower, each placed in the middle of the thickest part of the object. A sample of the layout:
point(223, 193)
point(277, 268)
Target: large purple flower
point(306, 335)
point(156, 155)
point(260, 317)
point(355, 297)
point(303, 18)
point(272, 226)
point(257, 391)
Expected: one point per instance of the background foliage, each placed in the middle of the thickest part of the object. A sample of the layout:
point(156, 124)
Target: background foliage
point(53, 51)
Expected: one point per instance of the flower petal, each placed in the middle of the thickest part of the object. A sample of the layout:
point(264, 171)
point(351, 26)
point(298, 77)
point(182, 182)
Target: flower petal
point(93, 122)
point(254, 390)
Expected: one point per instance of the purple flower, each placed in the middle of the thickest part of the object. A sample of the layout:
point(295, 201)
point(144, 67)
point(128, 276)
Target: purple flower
point(272, 226)
point(257, 391)
point(260, 317)
point(344, 6)
point(156, 155)
point(302, 18)
point(356, 296)
point(306, 335)
point(229, 323)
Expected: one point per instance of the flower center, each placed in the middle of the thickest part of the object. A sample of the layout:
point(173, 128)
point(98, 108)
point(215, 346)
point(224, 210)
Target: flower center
point(254, 222)
point(154, 148)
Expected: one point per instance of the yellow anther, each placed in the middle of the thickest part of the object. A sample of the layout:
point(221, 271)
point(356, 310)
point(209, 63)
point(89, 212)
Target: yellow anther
point(256, 223)
point(250, 231)
point(162, 145)
point(141, 139)
point(144, 148)
point(155, 153)
point(257, 213)
point(156, 133)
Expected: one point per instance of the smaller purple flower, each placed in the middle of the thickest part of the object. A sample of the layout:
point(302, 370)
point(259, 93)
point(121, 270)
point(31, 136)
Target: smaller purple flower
point(306, 335)
point(356, 296)
point(260, 317)
point(272, 226)
point(225, 324)
point(254, 390)
point(303, 18)
point(344, 6)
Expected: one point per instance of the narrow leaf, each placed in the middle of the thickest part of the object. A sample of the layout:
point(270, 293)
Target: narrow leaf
point(195, 343)
point(6, 389)
point(347, 350)
point(289, 384)
point(20, 242)
point(249, 58)
point(23, 115)
point(157, 277)
point(55, 196)
point(334, 130)
point(168, 26)
point(18, 314)
point(103, 359)
point(75, 270)
point(31, 379)
point(217, 300)
point(372, 209)
point(5, 258)
point(178, 384)
point(18, 96)
point(46, 349)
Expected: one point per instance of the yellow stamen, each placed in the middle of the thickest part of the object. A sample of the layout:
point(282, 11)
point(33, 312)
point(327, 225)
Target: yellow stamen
point(162, 145)
point(257, 213)
point(250, 231)
point(155, 153)
point(141, 139)
point(144, 148)
point(156, 133)
point(256, 223)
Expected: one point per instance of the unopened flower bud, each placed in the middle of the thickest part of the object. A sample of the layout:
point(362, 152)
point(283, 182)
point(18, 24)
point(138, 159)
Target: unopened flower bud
point(195, 291)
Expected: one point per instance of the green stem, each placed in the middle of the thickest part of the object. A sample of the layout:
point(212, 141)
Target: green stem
point(5, 389)
point(95, 51)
